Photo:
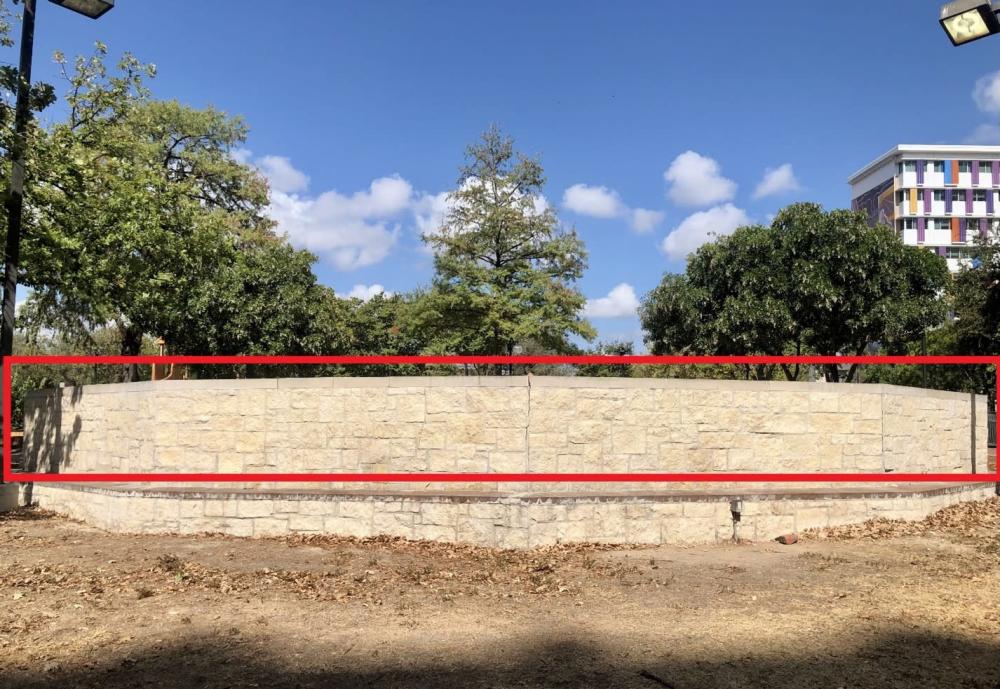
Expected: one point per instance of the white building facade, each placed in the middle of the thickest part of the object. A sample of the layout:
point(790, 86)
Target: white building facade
point(938, 197)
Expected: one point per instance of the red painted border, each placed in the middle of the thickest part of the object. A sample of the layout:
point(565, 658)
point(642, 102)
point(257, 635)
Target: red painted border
point(8, 474)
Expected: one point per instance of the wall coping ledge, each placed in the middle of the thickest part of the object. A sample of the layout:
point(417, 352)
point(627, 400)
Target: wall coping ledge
point(541, 382)
point(635, 496)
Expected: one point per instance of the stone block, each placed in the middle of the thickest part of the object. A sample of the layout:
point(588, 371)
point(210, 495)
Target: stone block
point(304, 523)
point(359, 511)
point(824, 402)
point(445, 401)
point(254, 508)
point(230, 463)
point(347, 526)
point(220, 507)
point(825, 423)
point(629, 440)
point(270, 526)
point(643, 531)
point(478, 531)
point(703, 509)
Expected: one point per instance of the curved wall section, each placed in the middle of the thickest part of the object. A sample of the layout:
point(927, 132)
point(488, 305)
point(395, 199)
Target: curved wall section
point(502, 424)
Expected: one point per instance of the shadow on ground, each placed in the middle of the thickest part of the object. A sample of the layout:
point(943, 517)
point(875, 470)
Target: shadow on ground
point(892, 661)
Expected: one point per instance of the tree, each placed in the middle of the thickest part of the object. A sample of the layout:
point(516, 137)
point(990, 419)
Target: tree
point(265, 300)
point(814, 282)
point(943, 340)
point(851, 286)
point(145, 219)
point(505, 271)
point(976, 301)
point(388, 325)
point(615, 348)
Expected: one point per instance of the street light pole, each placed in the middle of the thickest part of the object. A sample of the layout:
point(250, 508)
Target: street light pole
point(15, 195)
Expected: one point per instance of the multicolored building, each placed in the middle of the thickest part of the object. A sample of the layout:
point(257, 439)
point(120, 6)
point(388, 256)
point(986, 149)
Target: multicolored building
point(939, 197)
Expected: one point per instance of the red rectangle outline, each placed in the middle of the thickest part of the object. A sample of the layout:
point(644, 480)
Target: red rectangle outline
point(10, 476)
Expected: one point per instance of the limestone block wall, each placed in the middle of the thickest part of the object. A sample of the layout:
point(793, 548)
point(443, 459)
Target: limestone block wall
point(498, 521)
point(501, 424)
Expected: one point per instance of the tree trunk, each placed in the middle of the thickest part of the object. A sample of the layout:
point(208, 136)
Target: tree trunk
point(131, 346)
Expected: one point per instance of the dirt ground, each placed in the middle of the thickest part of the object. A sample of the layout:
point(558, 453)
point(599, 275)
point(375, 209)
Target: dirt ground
point(887, 604)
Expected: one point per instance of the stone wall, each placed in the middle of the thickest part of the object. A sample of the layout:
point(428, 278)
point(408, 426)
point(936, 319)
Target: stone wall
point(490, 520)
point(500, 424)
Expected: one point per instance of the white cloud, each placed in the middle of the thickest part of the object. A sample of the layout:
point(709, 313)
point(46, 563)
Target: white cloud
point(430, 211)
point(779, 180)
point(702, 227)
point(601, 202)
point(597, 202)
point(242, 155)
point(643, 220)
point(695, 180)
point(282, 175)
point(366, 292)
point(984, 135)
point(356, 230)
point(621, 302)
point(986, 93)
point(348, 231)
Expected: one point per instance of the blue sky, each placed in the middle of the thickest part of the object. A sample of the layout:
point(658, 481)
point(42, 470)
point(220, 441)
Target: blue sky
point(656, 122)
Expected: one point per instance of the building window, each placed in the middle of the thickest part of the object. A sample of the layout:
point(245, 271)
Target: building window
point(908, 166)
point(957, 252)
point(964, 166)
point(939, 194)
point(938, 165)
point(940, 224)
point(957, 195)
point(979, 195)
point(985, 166)
point(909, 224)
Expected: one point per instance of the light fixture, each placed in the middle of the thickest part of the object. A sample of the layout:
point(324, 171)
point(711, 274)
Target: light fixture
point(736, 510)
point(969, 20)
point(88, 8)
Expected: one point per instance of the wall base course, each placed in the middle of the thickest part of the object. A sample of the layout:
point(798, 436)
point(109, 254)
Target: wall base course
point(488, 519)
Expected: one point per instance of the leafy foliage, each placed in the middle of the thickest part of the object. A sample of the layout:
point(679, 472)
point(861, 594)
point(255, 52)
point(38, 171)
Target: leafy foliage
point(959, 378)
point(814, 282)
point(26, 378)
point(144, 218)
point(504, 270)
point(617, 348)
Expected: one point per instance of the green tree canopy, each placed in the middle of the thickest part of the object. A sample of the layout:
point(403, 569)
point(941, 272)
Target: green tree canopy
point(613, 348)
point(976, 302)
point(813, 282)
point(505, 271)
point(142, 217)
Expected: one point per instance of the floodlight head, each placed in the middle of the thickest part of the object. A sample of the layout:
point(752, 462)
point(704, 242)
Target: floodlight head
point(88, 8)
point(969, 20)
